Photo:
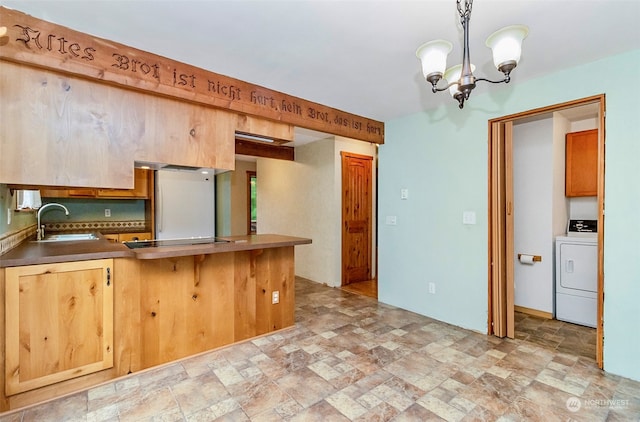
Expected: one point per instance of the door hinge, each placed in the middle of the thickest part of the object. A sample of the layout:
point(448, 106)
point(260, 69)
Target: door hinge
point(108, 276)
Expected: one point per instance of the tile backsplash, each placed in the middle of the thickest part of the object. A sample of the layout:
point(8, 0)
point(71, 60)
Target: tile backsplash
point(10, 240)
point(106, 226)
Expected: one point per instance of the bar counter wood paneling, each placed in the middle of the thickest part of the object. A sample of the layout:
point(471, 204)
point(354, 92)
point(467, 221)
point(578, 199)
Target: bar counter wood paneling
point(170, 307)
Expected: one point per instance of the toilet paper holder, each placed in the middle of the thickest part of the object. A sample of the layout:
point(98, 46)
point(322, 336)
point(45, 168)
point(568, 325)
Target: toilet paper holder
point(536, 258)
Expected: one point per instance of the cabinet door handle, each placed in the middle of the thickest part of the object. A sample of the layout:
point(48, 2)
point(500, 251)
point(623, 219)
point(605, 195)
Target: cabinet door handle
point(108, 276)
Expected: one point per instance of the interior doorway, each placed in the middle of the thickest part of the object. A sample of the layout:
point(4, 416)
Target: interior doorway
point(252, 202)
point(501, 321)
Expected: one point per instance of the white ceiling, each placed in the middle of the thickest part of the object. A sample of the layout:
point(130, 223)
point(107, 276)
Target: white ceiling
point(354, 55)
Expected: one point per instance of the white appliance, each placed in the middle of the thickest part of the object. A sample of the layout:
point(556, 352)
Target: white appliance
point(577, 274)
point(185, 204)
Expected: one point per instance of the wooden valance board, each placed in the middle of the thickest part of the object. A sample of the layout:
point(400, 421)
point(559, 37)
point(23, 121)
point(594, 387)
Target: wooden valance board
point(36, 42)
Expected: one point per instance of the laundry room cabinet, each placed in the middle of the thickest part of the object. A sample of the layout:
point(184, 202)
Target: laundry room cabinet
point(581, 166)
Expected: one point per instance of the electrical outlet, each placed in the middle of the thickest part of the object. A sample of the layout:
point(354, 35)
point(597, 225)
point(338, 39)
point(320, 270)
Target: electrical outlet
point(432, 288)
point(275, 297)
point(107, 212)
point(391, 220)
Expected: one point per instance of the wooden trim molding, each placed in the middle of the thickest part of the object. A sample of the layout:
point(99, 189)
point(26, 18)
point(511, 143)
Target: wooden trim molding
point(534, 312)
point(39, 43)
point(260, 149)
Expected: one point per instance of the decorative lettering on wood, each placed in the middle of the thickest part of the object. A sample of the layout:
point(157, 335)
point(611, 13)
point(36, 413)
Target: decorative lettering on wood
point(40, 43)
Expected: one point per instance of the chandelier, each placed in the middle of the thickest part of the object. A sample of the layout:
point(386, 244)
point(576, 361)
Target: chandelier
point(505, 43)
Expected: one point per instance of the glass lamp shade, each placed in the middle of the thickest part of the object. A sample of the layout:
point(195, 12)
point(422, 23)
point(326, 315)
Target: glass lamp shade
point(506, 44)
point(453, 75)
point(433, 56)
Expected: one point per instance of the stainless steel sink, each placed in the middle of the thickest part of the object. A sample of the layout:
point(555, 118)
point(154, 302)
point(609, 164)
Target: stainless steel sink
point(67, 237)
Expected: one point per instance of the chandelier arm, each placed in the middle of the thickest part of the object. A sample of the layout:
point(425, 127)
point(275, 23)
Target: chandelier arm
point(436, 89)
point(506, 80)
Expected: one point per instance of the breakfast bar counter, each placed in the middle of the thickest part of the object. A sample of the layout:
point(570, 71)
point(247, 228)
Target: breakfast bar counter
point(78, 313)
point(32, 252)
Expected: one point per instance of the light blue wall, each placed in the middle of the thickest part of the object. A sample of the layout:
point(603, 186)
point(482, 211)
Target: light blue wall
point(441, 157)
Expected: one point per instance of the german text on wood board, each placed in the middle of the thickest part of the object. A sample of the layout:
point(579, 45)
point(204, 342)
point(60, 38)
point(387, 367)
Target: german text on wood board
point(40, 43)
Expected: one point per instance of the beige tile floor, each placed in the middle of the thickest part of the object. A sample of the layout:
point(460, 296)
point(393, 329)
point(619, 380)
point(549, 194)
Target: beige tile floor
point(561, 336)
point(350, 358)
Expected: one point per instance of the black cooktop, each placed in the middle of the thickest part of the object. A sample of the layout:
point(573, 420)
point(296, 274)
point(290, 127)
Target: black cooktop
point(134, 244)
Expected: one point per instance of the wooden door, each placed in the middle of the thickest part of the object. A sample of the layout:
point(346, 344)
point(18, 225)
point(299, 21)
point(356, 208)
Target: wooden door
point(356, 217)
point(59, 322)
point(501, 212)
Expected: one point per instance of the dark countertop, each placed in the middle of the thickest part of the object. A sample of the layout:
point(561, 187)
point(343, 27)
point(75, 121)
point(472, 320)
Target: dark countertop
point(236, 243)
point(32, 253)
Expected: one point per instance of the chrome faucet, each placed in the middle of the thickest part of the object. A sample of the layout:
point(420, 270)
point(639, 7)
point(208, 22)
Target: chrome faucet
point(40, 229)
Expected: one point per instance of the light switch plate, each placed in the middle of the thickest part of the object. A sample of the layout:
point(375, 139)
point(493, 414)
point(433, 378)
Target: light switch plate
point(469, 217)
point(391, 220)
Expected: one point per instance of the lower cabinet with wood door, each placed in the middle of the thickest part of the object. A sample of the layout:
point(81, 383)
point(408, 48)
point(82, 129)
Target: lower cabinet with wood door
point(58, 322)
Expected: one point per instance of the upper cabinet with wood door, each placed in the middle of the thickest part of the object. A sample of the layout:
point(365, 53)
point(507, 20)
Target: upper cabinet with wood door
point(140, 190)
point(581, 167)
point(61, 130)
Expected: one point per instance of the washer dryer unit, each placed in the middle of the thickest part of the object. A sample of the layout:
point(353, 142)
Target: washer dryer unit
point(577, 278)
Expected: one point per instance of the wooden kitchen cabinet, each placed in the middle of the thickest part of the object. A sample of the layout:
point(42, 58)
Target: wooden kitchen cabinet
point(68, 193)
point(59, 322)
point(102, 130)
point(126, 237)
point(581, 166)
point(140, 190)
